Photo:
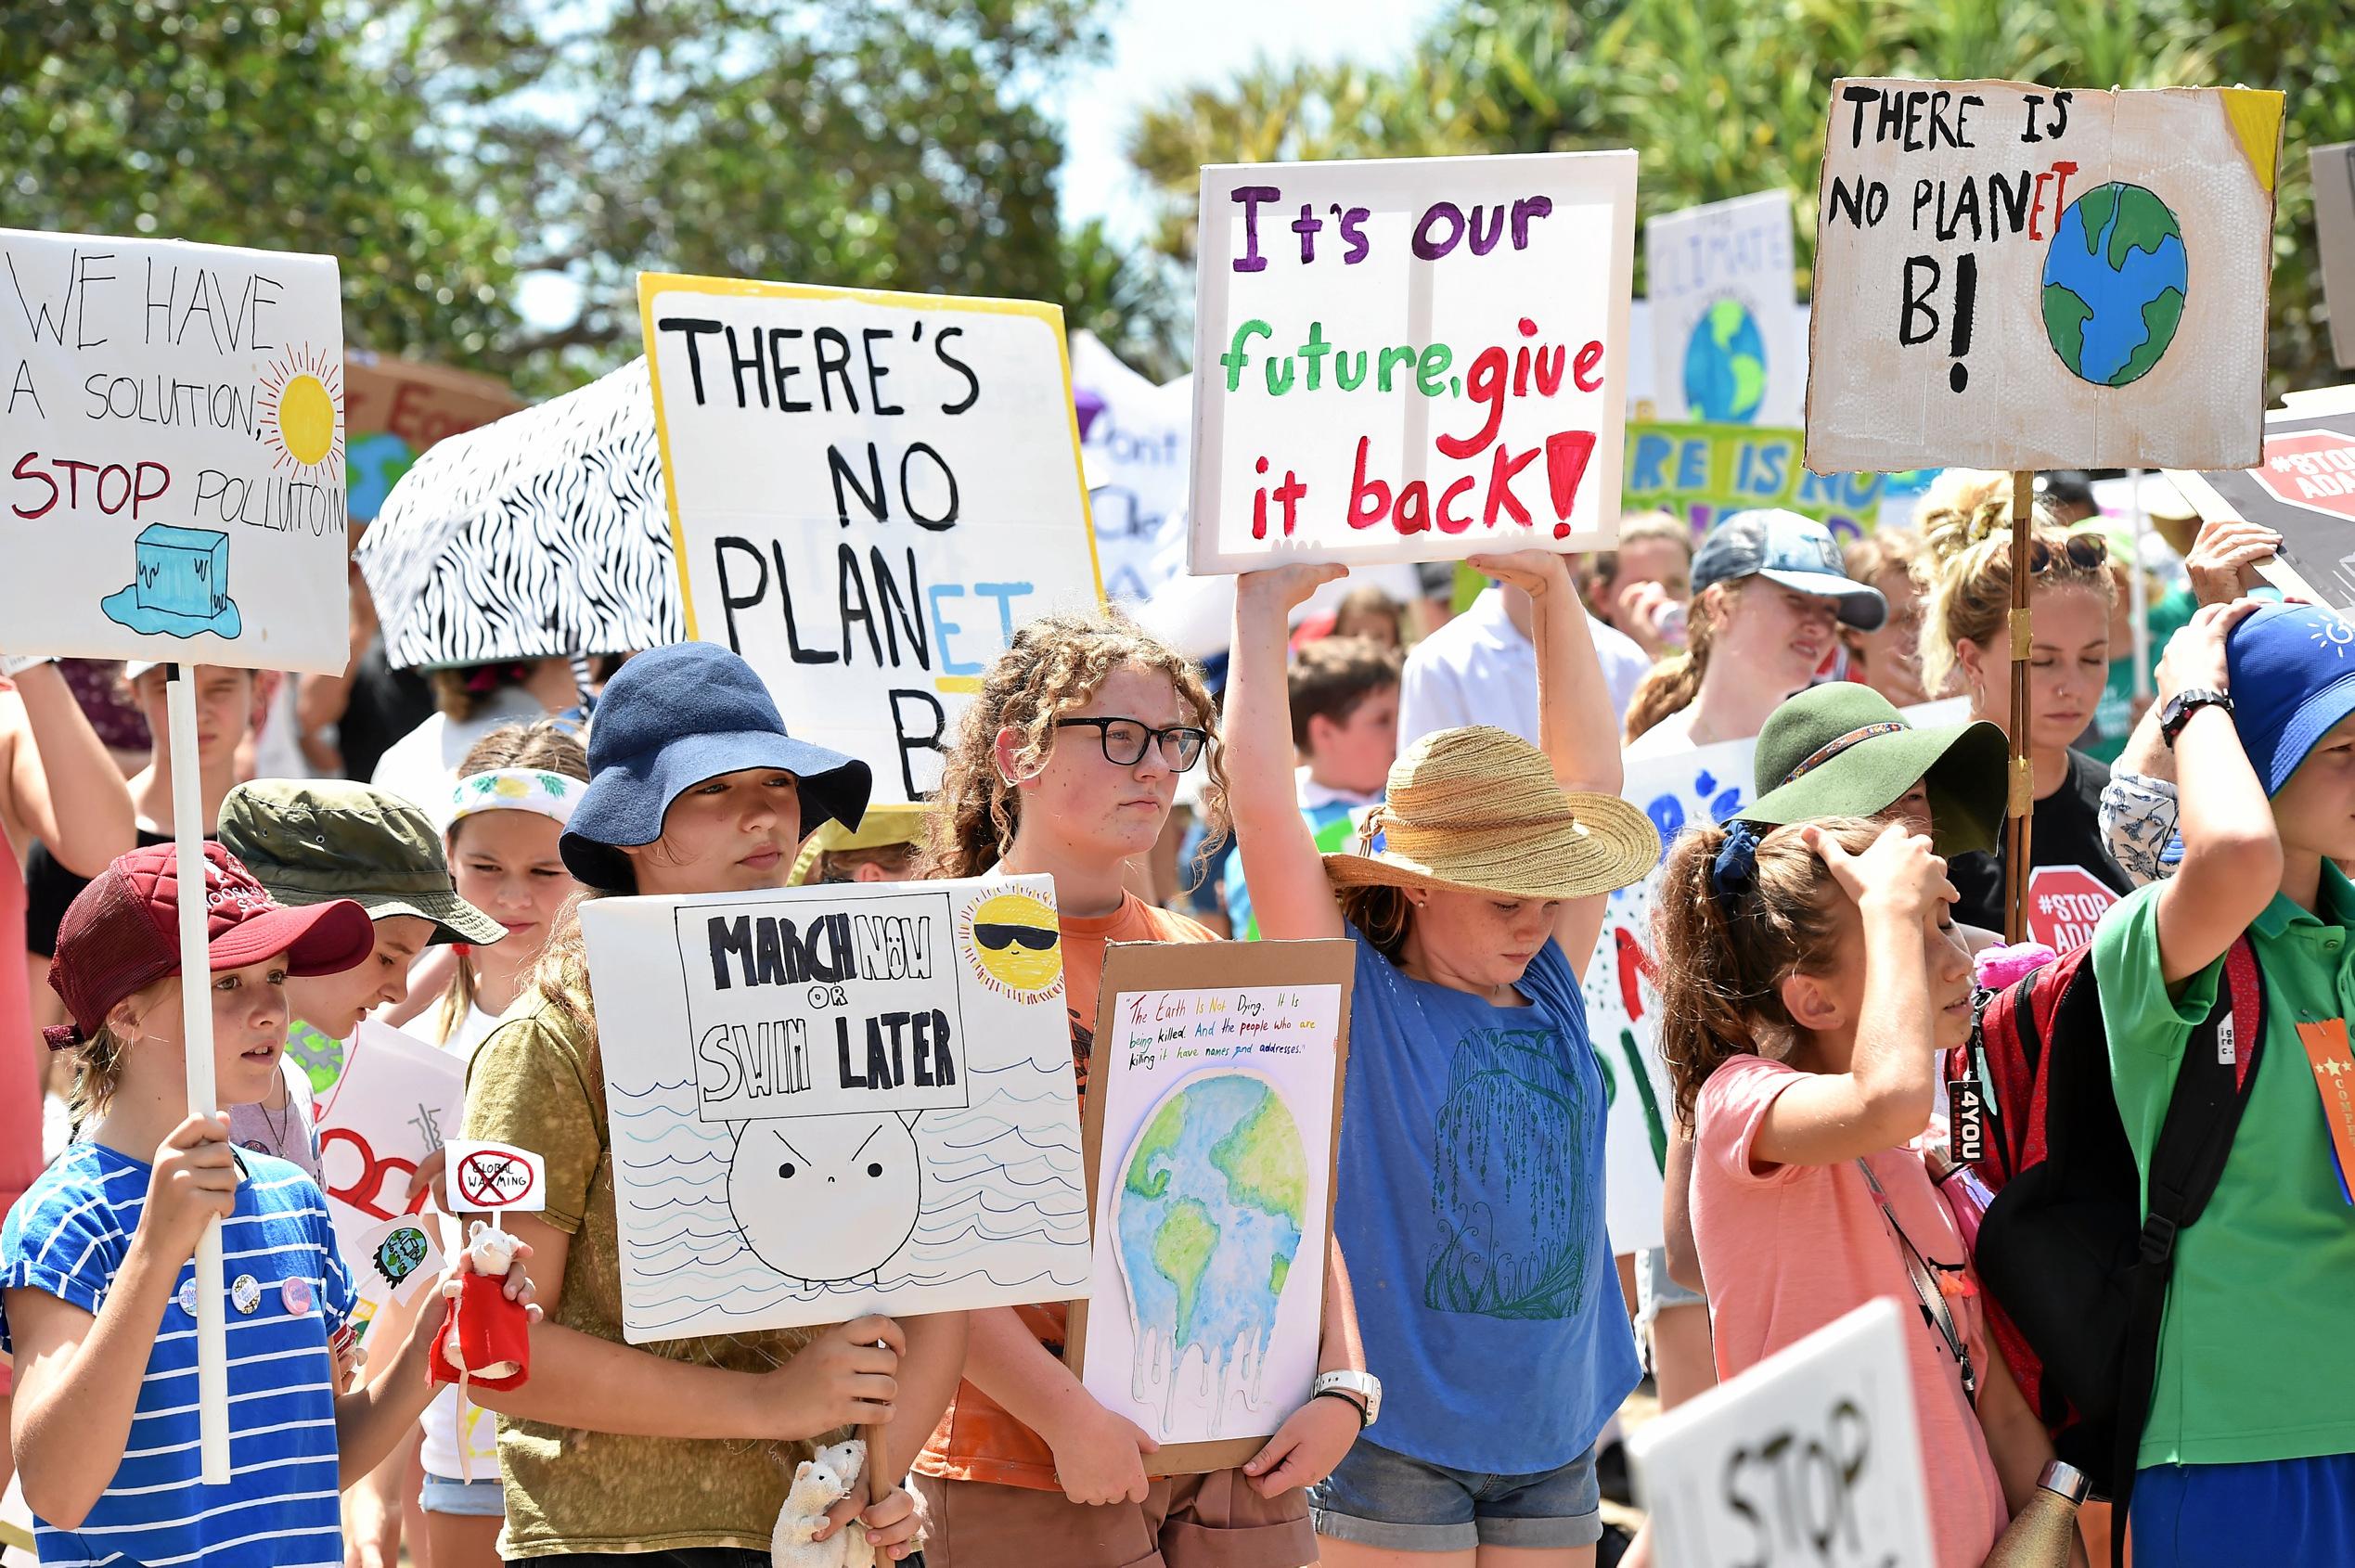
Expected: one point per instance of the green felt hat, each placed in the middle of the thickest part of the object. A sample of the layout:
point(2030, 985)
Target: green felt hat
point(1842, 750)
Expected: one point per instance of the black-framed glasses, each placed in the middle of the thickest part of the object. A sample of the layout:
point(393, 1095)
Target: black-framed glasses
point(1125, 741)
point(2085, 552)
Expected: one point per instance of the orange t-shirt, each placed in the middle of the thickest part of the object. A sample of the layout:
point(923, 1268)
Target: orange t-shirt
point(977, 1440)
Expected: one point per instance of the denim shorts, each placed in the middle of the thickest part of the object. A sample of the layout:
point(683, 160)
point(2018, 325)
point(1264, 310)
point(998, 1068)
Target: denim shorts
point(484, 1498)
point(1655, 1291)
point(1383, 1499)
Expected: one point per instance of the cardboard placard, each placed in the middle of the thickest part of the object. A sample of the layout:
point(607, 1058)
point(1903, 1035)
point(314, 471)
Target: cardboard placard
point(1703, 472)
point(177, 416)
point(1810, 1457)
point(1138, 451)
point(1212, 1144)
point(1410, 359)
point(875, 1112)
point(1726, 340)
point(2016, 276)
point(393, 409)
point(2304, 490)
point(2334, 168)
point(869, 493)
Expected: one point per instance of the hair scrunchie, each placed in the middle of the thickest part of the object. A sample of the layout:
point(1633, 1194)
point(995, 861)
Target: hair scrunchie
point(1735, 871)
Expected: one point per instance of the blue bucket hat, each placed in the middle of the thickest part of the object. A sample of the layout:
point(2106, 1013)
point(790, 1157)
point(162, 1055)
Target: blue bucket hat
point(2291, 668)
point(671, 719)
point(1795, 551)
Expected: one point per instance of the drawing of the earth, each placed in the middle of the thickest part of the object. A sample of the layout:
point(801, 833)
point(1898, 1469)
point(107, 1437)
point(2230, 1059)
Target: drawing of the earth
point(2113, 284)
point(1208, 1219)
point(1725, 365)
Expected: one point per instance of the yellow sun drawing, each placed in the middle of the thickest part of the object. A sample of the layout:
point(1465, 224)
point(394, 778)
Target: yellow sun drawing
point(1014, 944)
point(301, 394)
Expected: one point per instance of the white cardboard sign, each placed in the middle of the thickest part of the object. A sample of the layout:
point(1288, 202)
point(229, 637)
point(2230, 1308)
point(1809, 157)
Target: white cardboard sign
point(1727, 342)
point(396, 1100)
point(1809, 1458)
point(869, 492)
point(175, 419)
point(496, 1178)
point(1410, 359)
point(2016, 276)
point(791, 1148)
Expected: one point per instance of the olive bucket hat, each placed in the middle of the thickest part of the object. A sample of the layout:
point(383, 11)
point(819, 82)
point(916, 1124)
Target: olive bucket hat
point(1842, 750)
point(313, 841)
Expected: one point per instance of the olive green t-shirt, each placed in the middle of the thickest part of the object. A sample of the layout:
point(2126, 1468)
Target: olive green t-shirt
point(539, 1082)
point(2254, 1338)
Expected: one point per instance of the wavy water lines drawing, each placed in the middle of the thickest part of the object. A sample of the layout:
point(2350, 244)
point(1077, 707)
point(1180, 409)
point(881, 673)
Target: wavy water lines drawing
point(989, 1182)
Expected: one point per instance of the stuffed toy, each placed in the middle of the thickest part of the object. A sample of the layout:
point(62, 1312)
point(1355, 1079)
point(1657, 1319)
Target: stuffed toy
point(818, 1485)
point(485, 1337)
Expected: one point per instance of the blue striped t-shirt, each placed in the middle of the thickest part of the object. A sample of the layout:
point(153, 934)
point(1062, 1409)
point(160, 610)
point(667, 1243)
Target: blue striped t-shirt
point(69, 1234)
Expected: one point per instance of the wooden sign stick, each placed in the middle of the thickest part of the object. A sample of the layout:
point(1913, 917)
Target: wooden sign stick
point(2020, 799)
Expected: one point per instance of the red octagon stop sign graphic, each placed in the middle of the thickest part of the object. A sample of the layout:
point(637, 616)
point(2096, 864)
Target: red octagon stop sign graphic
point(2065, 903)
point(2311, 468)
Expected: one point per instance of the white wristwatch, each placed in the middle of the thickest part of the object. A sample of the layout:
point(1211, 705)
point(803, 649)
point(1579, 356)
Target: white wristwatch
point(1363, 1386)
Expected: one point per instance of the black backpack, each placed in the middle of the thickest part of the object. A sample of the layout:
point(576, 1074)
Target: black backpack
point(2074, 1273)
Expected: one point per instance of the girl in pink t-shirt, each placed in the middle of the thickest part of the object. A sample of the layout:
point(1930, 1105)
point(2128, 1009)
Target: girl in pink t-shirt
point(1808, 978)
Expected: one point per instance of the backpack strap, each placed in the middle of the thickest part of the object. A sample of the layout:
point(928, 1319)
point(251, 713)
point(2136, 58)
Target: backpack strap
point(2195, 1142)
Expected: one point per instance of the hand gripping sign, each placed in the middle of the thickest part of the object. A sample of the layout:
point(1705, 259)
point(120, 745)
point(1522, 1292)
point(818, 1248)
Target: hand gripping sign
point(485, 1336)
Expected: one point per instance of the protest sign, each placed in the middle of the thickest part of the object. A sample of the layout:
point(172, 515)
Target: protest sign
point(1708, 784)
point(177, 416)
point(839, 1099)
point(2064, 903)
point(2304, 490)
point(1811, 1457)
point(393, 409)
point(2334, 169)
point(1703, 472)
point(1214, 1113)
point(1137, 453)
point(388, 1101)
point(1410, 359)
point(869, 493)
point(496, 1178)
point(2014, 277)
point(1725, 315)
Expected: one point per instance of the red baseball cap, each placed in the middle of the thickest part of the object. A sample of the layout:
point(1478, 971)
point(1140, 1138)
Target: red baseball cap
point(122, 932)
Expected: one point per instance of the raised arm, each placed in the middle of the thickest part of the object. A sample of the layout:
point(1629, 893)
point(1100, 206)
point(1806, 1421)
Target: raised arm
point(62, 786)
point(1576, 728)
point(2232, 852)
point(1289, 892)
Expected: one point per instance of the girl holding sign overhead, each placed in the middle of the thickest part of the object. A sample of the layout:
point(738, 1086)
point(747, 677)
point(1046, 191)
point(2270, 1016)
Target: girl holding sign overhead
point(681, 1448)
point(1067, 764)
point(1472, 1118)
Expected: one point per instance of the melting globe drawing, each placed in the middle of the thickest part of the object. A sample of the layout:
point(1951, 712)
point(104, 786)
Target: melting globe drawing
point(1725, 365)
point(2115, 280)
point(1208, 1221)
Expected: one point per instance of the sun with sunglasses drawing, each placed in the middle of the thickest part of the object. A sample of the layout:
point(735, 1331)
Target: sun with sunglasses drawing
point(1014, 944)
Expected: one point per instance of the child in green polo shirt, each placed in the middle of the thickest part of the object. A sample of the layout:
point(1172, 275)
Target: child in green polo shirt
point(2249, 1455)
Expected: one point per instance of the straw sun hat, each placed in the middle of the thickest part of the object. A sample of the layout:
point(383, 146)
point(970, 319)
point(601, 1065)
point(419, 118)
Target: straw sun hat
point(1478, 809)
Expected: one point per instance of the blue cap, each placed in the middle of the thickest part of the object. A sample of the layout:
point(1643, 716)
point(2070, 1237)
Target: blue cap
point(671, 719)
point(2293, 672)
point(1795, 551)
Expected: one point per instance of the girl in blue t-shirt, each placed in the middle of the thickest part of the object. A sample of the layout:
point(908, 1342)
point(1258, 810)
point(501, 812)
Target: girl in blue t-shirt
point(98, 1289)
point(1470, 1203)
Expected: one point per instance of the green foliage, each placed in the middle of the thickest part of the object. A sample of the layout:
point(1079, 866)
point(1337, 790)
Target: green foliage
point(1723, 97)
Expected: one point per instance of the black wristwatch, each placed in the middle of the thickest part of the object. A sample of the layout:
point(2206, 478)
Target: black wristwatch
point(2182, 705)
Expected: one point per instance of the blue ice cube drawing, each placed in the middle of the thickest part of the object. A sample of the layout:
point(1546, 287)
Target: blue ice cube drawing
point(179, 584)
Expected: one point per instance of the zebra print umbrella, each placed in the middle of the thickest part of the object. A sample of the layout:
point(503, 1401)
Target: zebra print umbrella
point(543, 536)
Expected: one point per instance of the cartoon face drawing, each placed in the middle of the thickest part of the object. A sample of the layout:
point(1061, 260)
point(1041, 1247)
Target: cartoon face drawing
point(825, 1198)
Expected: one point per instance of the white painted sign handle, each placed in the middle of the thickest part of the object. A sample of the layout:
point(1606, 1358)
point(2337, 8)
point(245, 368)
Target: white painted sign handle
point(196, 1015)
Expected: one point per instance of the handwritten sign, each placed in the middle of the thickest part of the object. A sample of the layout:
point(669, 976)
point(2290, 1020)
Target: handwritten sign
point(1403, 360)
point(1727, 344)
point(791, 1149)
point(1809, 1458)
point(394, 1099)
point(1212, 1115)
point(869, 492)
point(1138, 454)
point(395, 408)
point(2015, 277)
point(496, 1178)
point(805, 1006)
point(2304, 490)
point(1702, 472)
point(176, 419)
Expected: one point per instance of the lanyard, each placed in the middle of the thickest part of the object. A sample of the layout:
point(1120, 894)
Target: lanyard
point(1935, 1310)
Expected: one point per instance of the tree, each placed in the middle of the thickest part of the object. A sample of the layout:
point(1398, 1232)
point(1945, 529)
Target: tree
point(251, 125)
